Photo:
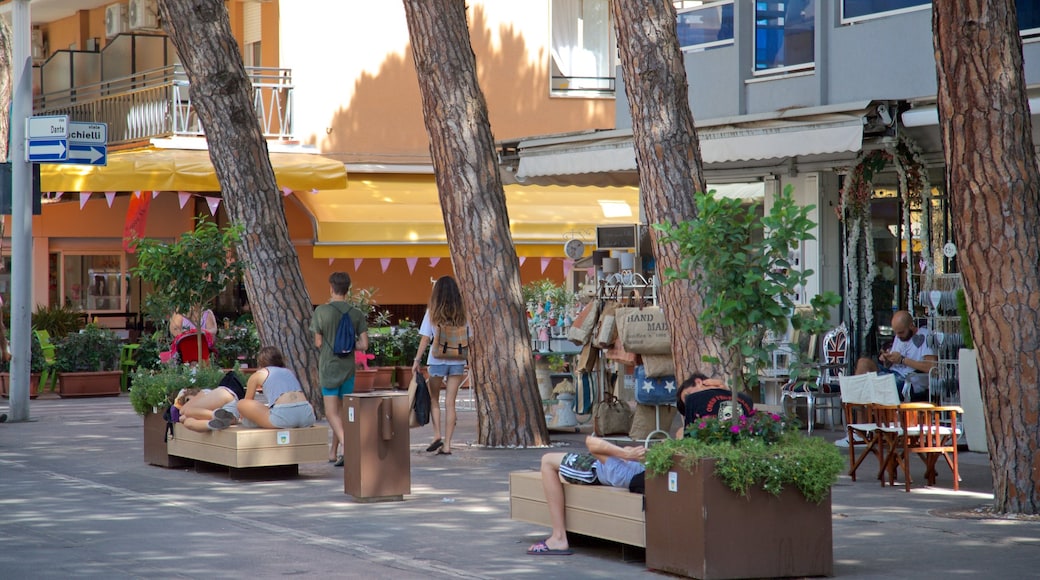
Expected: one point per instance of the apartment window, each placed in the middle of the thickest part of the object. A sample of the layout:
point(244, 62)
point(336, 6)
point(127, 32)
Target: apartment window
point(785, 35)
point(853, 10)
point(583, 48)
point(1029, 18)
point(706, 26)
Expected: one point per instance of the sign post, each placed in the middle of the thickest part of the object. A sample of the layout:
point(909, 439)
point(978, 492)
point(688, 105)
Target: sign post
point(47, 138)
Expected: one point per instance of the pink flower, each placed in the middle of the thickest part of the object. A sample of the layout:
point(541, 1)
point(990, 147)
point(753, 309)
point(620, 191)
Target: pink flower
point(735, 429)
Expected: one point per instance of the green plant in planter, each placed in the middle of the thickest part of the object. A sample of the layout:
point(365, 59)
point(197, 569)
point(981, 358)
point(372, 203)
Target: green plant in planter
point(153, 390)
point(36, 360)
point(236, 344)
point(94, 349)
point(406, 342)
point(754, 450)
point(381, 345)
point(59, 321)
point(149, 347)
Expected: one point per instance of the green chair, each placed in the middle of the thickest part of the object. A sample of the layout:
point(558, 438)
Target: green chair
point(127, 363)
point(49, 376)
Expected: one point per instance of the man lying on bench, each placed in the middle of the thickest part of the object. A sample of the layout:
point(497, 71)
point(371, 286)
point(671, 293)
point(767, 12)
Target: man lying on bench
point(604, 464)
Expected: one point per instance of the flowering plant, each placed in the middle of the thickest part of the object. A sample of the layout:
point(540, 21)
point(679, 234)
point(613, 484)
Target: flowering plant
point(759, 449)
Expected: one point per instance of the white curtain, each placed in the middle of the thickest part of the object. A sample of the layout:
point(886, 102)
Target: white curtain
point(581, 35)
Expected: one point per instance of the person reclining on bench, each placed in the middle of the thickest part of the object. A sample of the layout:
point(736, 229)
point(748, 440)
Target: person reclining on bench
point(698, 396)
point(197, 407)
point(604, 464)
point(286, 407)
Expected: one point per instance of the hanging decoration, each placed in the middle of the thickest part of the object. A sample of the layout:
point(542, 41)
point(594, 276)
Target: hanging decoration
point(183, 197)
point(434, 262)
point(411, 262)
point(110, 196)
point(384, 263)
point(213, 203)
point(913, 182)
point(83, 197)
point(357, 263)
point(545, 264)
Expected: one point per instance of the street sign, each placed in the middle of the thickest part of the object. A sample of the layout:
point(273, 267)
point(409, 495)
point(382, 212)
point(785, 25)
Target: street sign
point(47, 127)
point(88, 143)
point(47, 150)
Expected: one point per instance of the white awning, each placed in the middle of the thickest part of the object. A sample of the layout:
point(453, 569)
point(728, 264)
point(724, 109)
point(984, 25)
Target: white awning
point(608, 157)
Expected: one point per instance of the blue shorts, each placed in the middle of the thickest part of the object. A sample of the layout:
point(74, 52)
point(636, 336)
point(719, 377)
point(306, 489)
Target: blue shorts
point(346, 388)
point(447, 370)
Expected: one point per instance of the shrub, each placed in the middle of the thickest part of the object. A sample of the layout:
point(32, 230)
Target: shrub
point(94, 349)
point(152, 390)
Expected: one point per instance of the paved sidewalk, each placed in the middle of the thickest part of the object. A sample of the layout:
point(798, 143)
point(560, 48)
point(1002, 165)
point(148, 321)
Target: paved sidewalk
point(78, 501)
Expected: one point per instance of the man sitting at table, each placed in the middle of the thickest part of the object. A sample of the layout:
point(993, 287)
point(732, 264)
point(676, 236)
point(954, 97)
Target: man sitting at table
point(604, 464)
point(909, 359)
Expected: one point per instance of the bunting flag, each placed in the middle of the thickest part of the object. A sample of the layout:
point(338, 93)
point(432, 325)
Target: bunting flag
point(331, 260)
point(155, 194)
point(568, 265)
point(213, 203)
point(83, 197)
point(545, 264)
point(411, 264)
point(357, 263)
point(286, 191)
point(58, 194)
point(136, 216)
point(138, 194)
point(110, 196)
point(384, 263)
point(522, 260)
point(314, 191)
point(183, 197)
point(434, 262)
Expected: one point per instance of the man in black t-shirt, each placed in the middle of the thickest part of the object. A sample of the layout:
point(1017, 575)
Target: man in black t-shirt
point(700, 396)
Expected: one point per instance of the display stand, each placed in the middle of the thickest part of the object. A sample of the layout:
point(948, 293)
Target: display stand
point(944, 337)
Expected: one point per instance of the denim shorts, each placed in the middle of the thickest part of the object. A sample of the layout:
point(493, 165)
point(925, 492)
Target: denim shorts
point(447, 370)
point(341, 391)
point(292, 415)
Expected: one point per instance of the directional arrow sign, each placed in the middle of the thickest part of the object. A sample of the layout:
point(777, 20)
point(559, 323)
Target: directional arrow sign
point(47, 150)
point(87, 154)
point(47, 127)
point(88, 133)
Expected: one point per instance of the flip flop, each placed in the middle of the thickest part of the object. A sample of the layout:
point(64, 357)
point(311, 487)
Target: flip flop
point(435, 446)
point(443, 452)
point(543, 549)
point(339, 461)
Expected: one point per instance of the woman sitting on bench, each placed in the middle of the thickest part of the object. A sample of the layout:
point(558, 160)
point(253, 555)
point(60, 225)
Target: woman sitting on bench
point(286, 407)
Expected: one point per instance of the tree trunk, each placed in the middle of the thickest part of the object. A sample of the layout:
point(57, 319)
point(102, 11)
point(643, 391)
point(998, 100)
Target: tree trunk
point(501, 365)
point(223, 96)
point(668, 156)
point(994, 190)
point(5, 89)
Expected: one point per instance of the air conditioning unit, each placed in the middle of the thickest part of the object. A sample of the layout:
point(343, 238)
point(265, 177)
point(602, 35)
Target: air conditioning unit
point(144, 14)
point(115, 20)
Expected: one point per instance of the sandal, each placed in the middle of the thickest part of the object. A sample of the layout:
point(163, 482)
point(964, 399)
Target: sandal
point(435, 446)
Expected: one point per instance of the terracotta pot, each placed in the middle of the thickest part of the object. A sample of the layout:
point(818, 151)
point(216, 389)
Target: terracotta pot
point(403, 377)
point(364, 380)
point(384, 379)
point(155, 443)
point(5, 385)
point(698, 527)
point(90, 384)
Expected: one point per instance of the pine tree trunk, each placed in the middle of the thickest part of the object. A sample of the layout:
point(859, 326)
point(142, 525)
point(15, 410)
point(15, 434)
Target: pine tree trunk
point(668, 156)
point(223, 96)
point(501, 365)
point(994, 189)
point(5, 88)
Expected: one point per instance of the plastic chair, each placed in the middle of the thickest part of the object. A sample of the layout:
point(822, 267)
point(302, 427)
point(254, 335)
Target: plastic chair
point(186, 346)
point(127, 363)
point(49, 376)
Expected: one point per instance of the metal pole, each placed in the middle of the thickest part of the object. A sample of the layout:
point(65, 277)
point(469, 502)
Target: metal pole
point(21, 211)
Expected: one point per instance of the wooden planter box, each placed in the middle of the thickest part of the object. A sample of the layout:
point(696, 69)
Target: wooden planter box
point(91, 384)
point(5, 385)
point(702, 529)
point(155, 444)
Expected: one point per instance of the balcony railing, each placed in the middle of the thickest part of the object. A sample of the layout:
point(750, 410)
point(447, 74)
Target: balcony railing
point(157, 103)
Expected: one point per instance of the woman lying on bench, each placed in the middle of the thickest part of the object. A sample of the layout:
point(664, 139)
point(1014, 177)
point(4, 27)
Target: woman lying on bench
point(286, 407)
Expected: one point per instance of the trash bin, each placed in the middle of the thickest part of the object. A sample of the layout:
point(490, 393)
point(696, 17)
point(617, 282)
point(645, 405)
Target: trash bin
point(376, 465)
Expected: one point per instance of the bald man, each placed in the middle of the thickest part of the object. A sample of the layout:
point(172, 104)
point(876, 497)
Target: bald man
point(909, 359)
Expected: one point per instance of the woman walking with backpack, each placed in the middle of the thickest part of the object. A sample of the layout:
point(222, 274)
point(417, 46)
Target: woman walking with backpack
point(444, 329)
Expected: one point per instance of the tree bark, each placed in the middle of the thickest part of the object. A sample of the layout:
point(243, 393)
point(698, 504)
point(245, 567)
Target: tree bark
point(668, 156)
point(994, 190)
point(223, 96)
point(5, 88)
point(501, 365)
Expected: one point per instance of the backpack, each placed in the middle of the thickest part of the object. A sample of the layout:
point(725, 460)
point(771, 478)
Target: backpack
point(450, 342)
point(346, 337)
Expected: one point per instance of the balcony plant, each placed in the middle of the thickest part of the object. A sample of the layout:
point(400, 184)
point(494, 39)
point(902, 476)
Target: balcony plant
point(747, 284)
point(88, 363)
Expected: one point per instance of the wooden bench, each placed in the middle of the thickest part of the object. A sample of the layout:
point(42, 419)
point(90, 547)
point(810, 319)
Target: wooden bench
point(241, 448)
point(599, 511)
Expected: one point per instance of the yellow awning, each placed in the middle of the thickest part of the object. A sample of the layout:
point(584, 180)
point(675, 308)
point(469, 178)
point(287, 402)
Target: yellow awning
point(154, 169)
point(399, 216)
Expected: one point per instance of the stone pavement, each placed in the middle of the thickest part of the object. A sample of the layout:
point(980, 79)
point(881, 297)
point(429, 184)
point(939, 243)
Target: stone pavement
point(77, 500)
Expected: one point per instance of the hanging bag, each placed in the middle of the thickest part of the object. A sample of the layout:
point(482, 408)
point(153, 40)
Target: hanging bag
point(419, 401)
point(606, 332)
point(654, 391)
point(611, 417)
point(580, 332)
point(645, 331)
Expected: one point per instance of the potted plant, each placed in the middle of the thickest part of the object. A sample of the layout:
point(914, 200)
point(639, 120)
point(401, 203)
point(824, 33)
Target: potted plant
point(237, 345)
point(747, 286)
point(58, 321)
point(88, 363)
point(152, 391)
point(406, 344)
point(36, 366)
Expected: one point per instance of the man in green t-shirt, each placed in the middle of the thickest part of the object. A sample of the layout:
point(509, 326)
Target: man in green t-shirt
point(336, 374)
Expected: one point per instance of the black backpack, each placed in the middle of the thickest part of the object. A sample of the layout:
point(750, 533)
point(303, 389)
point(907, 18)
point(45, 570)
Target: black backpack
point(346, 337)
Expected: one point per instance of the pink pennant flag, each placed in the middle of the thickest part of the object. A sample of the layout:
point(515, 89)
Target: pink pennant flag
point(183, 197)
point(331, 260)
point(286, 191)
point(137, 194)
point(213, 203)
point(155, 194)
point(522, 260)
point(568, 265)
point(314, 191)
point(434, 262)
point(110, 196)
point(545, 264)
point(411, 264)
point(83, 197)
point(357, 263)
point(384, 263)
point(58, 194)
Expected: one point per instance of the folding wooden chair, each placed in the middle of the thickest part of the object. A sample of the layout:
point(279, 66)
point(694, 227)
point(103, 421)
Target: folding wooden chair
point(863, 399)
point(930, 432)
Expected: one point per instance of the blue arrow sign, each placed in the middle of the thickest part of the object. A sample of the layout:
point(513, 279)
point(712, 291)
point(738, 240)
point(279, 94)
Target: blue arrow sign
point(87, 154)
point(47, 150)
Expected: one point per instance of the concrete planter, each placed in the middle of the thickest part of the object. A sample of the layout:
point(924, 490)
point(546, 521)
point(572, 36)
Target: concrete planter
point(90, 384)
point(698, 527)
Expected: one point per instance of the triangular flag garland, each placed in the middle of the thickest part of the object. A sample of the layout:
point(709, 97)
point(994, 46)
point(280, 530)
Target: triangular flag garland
point(183, 197)
point(545, 264)
point(286, 191)
point(411, 264)
point(568, 265)
point(522, 260)
point(213, 203)
point(83, 197)
point(331, 260)
point(155, 194)
point(434, 262)
point(137, 194)
point(384, 263)
point(58, 194)
point(357, 263)
point(110, 196)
